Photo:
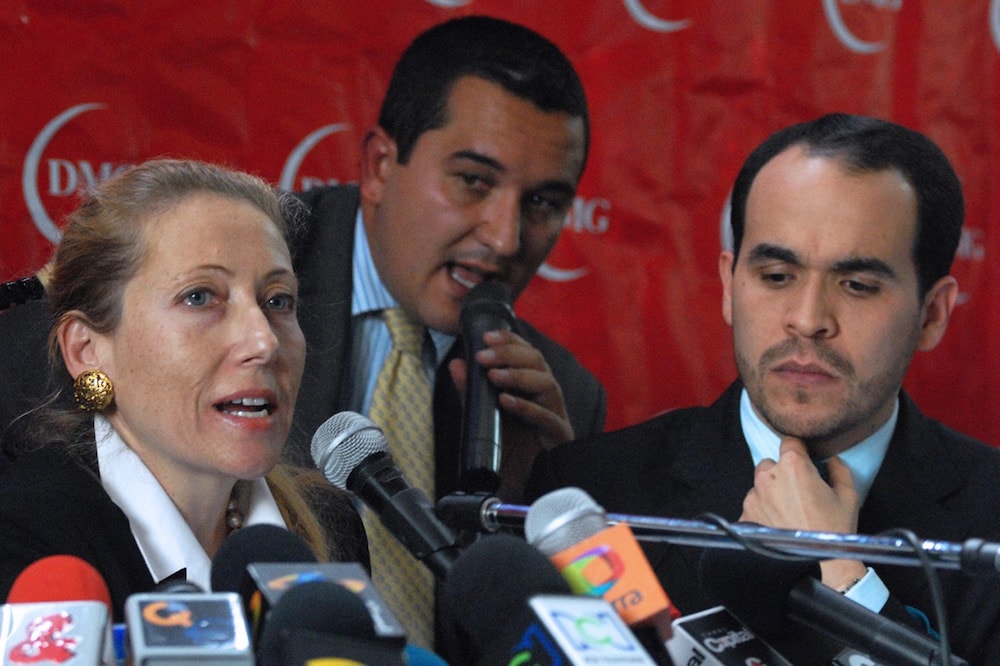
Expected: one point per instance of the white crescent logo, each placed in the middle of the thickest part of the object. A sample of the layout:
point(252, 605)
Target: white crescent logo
point(995, 22)
point(832, 10)
point(291, 169)
point(560, 274)
point(448, 3)
point(647, 19)
point(29, 176)
point(725, 228)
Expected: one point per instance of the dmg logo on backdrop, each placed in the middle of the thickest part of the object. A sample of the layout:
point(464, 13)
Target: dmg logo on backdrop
point(290, 172)
point(847, 37)
point(64, 177)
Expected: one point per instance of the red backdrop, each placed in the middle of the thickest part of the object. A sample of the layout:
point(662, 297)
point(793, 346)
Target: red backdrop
point(680, 92)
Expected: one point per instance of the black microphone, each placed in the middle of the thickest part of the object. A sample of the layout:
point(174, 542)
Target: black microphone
point(249, 545)
point(764, 593)
point(255, 543)
point(353, 454)
point(505, 603)
point(323, 620)
point(486, 308)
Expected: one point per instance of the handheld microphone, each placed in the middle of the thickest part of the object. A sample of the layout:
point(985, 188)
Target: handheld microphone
point(320, 620)
point(486, 308)
point(572, 530)
point(764, 593)
point(57, 609)
point(509, 605)
point(353, 454)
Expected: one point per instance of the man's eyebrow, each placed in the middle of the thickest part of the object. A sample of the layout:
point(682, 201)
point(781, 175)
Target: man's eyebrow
point(869, 265)
point(562, 186)
point(766, 252)
point(480, 158)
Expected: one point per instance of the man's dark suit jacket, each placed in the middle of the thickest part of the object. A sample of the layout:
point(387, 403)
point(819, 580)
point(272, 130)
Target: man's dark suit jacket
point(936, 482)
point(323, 263)
point(322, 256)
point(53, 503)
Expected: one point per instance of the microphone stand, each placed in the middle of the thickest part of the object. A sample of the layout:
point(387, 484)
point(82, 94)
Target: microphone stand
point(486, 513)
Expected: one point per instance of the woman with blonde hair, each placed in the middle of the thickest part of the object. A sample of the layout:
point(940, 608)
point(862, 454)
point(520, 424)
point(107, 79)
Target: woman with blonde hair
point(174, 323)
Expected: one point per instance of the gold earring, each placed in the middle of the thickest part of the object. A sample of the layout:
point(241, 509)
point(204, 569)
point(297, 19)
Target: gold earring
point(93, 391)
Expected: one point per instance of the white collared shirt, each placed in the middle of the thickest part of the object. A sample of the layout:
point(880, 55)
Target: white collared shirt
point(166, 541)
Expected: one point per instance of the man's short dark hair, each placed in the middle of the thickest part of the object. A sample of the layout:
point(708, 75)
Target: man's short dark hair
point(864, 145)
point(520, 60)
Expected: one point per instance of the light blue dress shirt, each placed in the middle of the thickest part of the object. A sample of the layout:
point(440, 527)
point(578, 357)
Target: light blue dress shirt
point(370, 339)
point(863, 459)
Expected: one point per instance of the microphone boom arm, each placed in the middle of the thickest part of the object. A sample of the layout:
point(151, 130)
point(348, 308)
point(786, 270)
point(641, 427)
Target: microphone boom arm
point(974, 556)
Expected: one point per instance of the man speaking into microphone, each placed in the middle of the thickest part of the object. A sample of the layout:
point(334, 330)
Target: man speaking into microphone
point(466, 178)
point(844, 232)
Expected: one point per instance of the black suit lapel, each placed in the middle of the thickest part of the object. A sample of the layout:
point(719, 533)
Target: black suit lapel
point(913, 480)
point(713, 466)
point(711, 472)
point(323, 262)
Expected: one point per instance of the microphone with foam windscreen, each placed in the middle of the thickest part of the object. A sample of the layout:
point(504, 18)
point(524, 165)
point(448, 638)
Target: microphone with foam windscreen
point(767, 595)
point(263, 562)
point(319, 620)
point(254, 543)
point(58, 609)
point(486, 308)
point(602, 561)
point(505, 603)
point(353, 454)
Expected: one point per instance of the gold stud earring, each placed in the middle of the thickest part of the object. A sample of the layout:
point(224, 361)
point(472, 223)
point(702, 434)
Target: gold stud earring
point(93, 391)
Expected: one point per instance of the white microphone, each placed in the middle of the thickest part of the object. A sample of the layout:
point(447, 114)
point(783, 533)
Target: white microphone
point(353, 454)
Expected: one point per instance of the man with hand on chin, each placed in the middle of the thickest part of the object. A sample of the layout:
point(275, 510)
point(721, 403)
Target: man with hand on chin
point(844, 231)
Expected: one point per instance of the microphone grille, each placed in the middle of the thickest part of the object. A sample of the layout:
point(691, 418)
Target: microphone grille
point(561, 519)
point(490, 291)
point(342, 442)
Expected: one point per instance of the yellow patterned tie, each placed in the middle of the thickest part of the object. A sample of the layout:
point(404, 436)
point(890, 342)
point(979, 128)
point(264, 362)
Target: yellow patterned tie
point(401, 406)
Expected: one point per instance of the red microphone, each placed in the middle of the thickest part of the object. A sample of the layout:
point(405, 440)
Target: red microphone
point(59, 578)
point(57, 609)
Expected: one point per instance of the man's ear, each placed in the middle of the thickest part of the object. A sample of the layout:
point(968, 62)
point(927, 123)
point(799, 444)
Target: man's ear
point(935, 312)
point(81, 346)
point(726, 277)
point(378, 155)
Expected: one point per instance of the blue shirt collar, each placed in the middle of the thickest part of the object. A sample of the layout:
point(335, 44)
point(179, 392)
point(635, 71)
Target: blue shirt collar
point(370, 295)
point(863, 459)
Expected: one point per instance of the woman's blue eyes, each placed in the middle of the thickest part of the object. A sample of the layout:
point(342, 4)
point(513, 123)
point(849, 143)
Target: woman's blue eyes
point(277, 303)
point(197, 297)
